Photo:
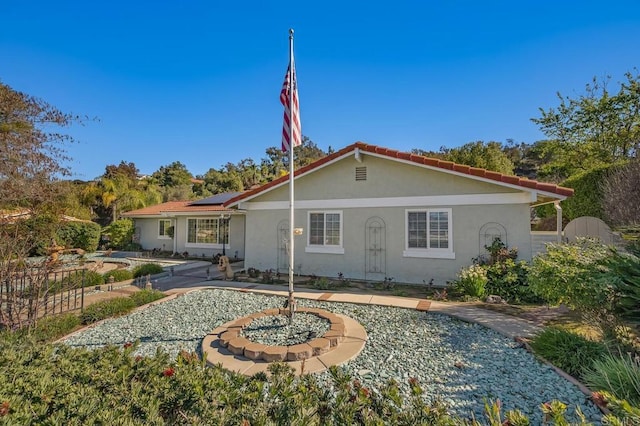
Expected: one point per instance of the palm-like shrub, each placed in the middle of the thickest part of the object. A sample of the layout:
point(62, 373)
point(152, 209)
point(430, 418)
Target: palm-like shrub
point(566, 350)
point(617, 374)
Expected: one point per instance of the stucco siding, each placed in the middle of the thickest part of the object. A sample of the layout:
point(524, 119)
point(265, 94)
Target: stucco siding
point(467, 221)
point(147, 229)
point(385, 178)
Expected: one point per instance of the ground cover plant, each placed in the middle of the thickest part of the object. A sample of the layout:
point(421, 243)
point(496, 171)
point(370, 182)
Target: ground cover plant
point(46, 384)
point(147, 269)
point(118, 305)
point(566, 350)
point(118, 275)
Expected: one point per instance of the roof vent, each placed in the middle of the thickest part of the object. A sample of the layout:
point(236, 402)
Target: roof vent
point(361, 173)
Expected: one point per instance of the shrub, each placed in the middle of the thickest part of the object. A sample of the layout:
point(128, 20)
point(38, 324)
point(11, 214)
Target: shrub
point(107, 308)
point(508, 279)
point(566, 350)
point(146, 269)
point(145, 296)
point(118, 275)
point(499, 252)
point(54, 327)
point(92, 278)
point(573, 274)
point(472, 281)
point(627, 270)
point(82, 235)
point(617, 374)
point(120, 233)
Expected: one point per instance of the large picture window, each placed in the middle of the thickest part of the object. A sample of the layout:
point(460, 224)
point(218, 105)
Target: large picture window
point(163, 228)
point(325, 232)
point(428, 233)
point(204, 231)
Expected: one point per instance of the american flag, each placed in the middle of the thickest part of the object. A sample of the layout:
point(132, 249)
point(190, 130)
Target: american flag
point(291, 112)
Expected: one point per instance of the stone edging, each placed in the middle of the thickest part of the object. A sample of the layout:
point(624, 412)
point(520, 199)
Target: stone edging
point(230, 338)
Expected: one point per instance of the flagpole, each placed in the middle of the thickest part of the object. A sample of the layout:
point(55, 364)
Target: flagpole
point(291, 171)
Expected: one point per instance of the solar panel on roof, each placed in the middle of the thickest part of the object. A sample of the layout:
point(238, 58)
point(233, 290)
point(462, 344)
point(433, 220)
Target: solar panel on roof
point(217, 199)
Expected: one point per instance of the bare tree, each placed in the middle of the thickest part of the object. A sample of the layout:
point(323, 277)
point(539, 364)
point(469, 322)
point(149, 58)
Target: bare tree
point(32, 159)
point(621, 192)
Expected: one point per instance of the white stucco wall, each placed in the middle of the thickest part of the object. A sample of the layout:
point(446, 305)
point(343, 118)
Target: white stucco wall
point(390, 190)
point(149, 239)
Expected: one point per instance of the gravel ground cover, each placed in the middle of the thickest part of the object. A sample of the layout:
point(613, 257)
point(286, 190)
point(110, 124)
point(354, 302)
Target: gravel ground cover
point(277, 330)
point(460, 363)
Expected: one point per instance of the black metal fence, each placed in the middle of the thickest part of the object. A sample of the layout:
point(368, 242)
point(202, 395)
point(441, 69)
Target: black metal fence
point(36, 293)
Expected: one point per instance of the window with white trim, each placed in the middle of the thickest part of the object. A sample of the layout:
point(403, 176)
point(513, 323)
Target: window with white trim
point(204, 231)
point(325, 232)
point(428, 233)
point(163, 228)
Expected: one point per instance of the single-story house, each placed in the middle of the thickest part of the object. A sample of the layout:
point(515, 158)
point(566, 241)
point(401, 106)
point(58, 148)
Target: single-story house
point(202, 228)
point(372, 213)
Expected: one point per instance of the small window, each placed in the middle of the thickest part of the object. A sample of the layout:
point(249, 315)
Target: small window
point(361, 173)
point(429, 233)
point(325, 232)
point(163, 228)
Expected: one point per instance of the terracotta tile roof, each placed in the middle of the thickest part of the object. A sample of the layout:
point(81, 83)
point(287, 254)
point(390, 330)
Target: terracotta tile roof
point(174, 207)
point(414, 158)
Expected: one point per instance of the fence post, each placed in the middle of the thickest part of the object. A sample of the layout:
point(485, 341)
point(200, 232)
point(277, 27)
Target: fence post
point(82, 293)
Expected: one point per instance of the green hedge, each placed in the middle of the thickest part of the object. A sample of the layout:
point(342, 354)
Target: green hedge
point(143, 297)
point(118, 275)
point(82, 235)
point(147, 269)
point(118, 306)
point(107, 308)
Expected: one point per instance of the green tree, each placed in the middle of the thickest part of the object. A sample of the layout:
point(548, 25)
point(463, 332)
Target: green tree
point(128, 170)
point(174, 174)
point(120, 233)
point(597, 128)
point(119, 190)
point(489, 155)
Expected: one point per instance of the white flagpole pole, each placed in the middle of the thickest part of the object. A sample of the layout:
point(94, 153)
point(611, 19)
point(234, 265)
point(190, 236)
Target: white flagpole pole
point(291, 171)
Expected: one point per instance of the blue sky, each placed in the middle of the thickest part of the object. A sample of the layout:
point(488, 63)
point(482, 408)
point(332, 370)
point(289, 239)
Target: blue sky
point(199, 81)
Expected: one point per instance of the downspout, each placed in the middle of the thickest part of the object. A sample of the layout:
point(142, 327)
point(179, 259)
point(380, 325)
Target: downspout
point(556, 204)
point(175, 235)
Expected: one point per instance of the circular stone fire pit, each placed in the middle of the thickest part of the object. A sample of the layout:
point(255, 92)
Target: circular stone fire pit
point(232, 346)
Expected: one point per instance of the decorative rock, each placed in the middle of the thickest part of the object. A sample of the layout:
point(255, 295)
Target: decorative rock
point(275, 353)
point(494, 299)
point(227, 336)
point(320, 346)
point(254, 350)
point(236, 346)
point(334, 337)
point(299, 352)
